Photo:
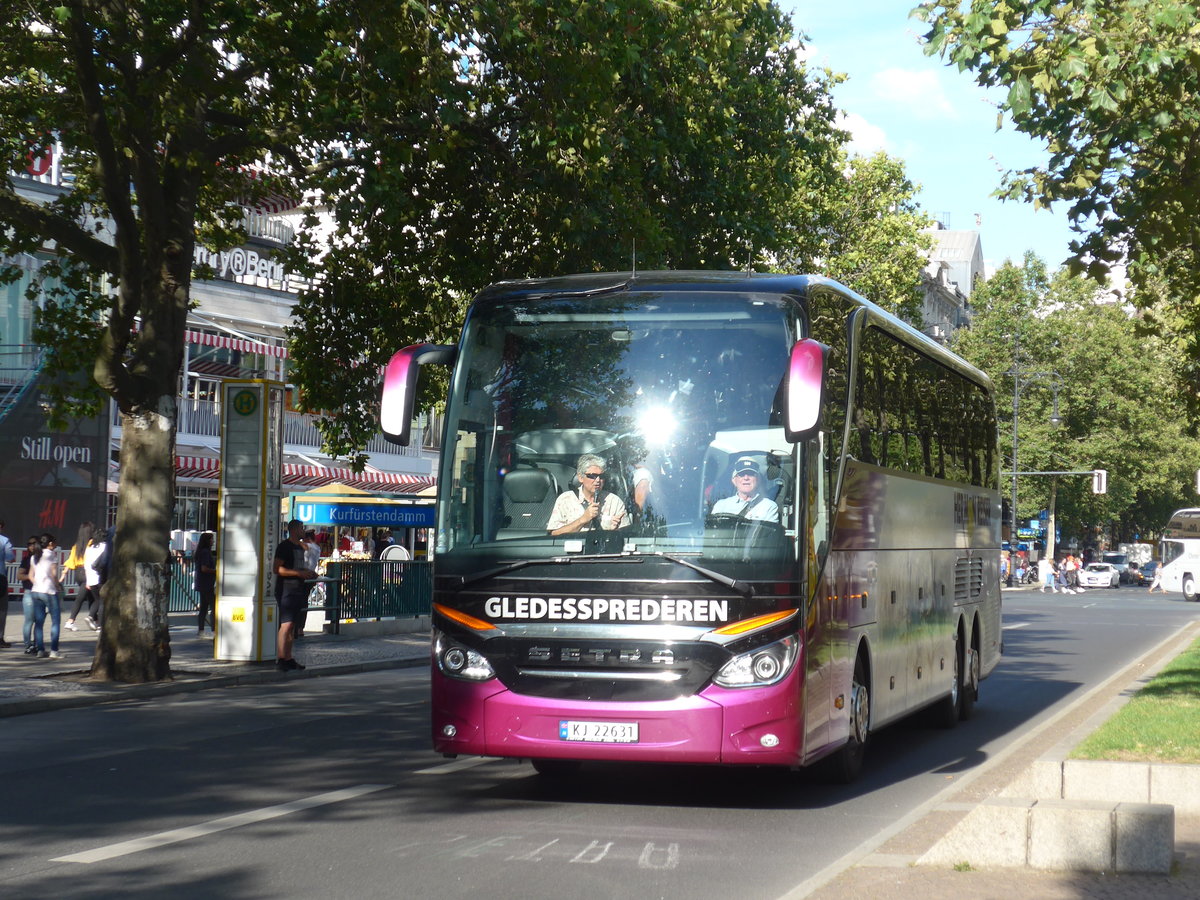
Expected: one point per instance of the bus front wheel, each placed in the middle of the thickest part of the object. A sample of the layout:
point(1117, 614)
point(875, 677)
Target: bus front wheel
point(848, 762)
point(1189, 587)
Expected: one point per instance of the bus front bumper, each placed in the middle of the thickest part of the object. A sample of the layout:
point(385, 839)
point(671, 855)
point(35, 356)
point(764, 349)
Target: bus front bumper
point(752, 726)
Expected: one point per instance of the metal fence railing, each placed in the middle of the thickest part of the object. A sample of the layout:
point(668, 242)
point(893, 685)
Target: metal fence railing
point(378, 589)
point(360, 590)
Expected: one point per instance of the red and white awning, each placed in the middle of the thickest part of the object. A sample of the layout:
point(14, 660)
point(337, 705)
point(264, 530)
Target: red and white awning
point(197, 467)
point(299, 475)
point(272, 203)
point(204, 339)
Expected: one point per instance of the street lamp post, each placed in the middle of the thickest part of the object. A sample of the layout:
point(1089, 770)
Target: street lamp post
point(1020, 381)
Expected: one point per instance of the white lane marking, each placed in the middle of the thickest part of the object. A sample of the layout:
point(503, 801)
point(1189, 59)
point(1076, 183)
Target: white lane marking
point(457, 765)
point(593, 852)
point(1014, 625)
point(535, 855)
point(655, 857)
point(150, 842)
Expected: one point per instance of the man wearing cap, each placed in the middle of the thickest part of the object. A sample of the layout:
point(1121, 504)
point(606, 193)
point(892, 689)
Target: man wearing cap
point(748, 502)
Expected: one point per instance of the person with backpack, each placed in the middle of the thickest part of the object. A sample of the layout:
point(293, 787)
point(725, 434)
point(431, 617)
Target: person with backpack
point(89, 579)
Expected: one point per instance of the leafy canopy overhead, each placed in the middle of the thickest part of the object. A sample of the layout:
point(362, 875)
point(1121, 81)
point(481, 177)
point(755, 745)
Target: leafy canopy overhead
point(1113, 89)
point(542, 137)
point(1114, 397)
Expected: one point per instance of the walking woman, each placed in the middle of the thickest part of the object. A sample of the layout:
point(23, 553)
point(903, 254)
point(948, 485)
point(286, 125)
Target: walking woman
point(206, 581)
point(89, 578)
point(44, 579)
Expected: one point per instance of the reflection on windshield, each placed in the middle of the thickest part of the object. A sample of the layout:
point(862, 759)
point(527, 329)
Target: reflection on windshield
point(670, 403)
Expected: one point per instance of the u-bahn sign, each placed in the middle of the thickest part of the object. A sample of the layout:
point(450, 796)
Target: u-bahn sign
point(378, 515)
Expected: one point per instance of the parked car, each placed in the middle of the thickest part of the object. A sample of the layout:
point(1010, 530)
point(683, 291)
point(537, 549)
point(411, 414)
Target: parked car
point(1099, 574)
point(1120, 561)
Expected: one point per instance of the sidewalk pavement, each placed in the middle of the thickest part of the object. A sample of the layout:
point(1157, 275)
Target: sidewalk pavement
point(29, 685)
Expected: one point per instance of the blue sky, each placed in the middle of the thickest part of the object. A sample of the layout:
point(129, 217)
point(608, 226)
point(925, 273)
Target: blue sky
point(933, 117)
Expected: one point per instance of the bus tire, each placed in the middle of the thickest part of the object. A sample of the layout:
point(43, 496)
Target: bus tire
point(947, 710)
point(556, 768)
point(1189, 587)
point(848, 761)
point(969, 692)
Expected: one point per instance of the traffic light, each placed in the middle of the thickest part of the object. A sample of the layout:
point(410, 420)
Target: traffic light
point(1099, 481)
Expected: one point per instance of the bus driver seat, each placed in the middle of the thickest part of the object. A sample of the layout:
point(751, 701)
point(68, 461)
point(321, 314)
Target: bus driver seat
point(529, 496)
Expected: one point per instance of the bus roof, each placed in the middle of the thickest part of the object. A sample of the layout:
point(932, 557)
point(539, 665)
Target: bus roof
point(1184, 523)
point(604, 283)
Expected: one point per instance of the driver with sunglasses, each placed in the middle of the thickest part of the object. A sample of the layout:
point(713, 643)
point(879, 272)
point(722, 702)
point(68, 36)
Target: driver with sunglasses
point(592, 507)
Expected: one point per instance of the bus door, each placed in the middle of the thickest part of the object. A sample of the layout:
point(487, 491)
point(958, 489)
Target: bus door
point(816, 590)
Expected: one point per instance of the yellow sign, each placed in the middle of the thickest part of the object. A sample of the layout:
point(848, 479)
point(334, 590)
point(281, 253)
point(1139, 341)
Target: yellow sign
point(245, 403)
point(239, 614)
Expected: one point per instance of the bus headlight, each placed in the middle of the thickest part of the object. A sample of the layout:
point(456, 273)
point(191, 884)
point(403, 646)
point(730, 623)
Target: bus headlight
point(759, 667)
point(457, 661)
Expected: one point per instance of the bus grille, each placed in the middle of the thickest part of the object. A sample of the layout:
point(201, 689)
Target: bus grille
point(968, 579)
point(599, 670)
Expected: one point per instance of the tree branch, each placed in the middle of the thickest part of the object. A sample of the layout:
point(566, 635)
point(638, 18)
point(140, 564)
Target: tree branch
point(64, 232)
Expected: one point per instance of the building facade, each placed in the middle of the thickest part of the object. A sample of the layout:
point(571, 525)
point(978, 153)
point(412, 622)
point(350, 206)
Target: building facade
point(955, 264)
point(52, 481)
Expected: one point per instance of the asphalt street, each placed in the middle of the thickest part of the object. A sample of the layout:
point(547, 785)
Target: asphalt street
point(326, 787)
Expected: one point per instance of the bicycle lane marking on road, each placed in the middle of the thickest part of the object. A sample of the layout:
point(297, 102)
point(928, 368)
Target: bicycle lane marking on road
point(251, 817)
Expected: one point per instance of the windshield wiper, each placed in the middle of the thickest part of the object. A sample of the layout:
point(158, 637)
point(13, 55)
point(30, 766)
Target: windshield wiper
point(741, 587)
point(523, 563)
point(745, 590)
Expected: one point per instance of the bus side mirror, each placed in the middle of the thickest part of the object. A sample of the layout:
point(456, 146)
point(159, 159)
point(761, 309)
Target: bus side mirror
point(804, 391)
point(400, 387)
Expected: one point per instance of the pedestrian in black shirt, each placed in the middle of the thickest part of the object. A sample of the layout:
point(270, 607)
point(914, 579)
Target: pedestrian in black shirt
point(291, 591)
point(205, 580)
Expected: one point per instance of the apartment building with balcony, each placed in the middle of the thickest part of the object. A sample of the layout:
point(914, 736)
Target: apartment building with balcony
point(955, 264)
point(51, 481)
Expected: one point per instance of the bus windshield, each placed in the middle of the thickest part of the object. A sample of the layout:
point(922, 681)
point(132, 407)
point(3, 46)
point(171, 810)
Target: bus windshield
point(676, 393)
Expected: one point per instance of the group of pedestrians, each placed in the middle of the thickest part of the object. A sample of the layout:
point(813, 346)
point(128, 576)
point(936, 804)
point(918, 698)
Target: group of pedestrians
point(1061, 577)
point(43, 586)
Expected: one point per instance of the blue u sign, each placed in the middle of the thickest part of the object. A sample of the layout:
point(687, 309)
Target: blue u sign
point(380, 515)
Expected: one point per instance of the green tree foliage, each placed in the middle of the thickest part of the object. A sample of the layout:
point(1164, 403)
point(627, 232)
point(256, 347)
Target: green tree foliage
point(1113, 88)
point(160, 107)
point(1117, 409)
point(549, 137)
point(439, 148)
point(865, 229)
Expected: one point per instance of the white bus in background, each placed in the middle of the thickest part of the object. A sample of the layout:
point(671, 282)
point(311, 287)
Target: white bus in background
point(1180, 553)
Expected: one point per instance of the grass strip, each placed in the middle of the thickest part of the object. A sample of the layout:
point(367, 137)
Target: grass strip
point(1160, 723)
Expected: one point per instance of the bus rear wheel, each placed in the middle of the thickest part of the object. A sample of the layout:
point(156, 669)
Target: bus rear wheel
point(848, 761)
point(946, 711)
point(969, 692)
point(1189, 587)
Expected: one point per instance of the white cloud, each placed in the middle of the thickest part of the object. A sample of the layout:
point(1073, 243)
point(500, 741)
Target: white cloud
point(919, 92)
point(865, 139)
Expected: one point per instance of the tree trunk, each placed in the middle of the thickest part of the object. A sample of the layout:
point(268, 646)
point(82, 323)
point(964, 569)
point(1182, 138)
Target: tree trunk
point(135, 641)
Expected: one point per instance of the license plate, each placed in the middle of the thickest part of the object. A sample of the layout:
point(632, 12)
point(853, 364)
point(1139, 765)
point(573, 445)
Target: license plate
point(599, 732)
